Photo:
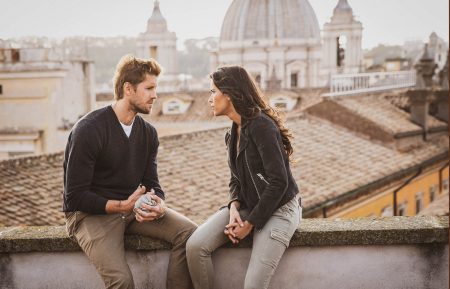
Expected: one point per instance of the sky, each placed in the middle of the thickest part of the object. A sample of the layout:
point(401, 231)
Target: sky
point(384, 21)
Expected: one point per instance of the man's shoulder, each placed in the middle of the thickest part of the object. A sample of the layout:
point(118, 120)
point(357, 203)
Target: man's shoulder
point(93, 119)
point(145, 124)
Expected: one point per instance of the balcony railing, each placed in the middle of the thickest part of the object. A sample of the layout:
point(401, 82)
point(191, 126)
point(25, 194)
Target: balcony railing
point(348, 84)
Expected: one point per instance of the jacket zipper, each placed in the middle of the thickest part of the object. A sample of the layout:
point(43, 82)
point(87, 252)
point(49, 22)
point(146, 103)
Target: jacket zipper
point(251, 175)
point(262, 178)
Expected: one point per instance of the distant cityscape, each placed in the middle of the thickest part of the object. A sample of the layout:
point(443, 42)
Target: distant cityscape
point(371, 124)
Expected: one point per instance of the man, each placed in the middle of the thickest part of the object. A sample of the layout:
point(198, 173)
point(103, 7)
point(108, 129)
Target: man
point(109, 163)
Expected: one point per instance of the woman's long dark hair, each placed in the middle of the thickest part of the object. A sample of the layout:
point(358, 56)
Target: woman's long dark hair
point(235, 82)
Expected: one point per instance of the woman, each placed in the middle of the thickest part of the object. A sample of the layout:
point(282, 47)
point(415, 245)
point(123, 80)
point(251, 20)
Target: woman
point(262, 190)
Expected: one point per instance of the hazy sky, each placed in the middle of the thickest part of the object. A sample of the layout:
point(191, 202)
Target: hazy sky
point(384, 21)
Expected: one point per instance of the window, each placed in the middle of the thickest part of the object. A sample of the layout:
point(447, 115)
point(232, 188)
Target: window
point(154, 52)
point(387, 211)
point(258, 79)
point(15, 55)
point(402, 209)
point(294, 79)
point(445, 185)
point(433, 190)
point(419, 197)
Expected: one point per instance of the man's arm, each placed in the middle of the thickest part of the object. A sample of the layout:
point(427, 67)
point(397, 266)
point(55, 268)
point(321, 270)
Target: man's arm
point(125, 206)
point(80, 157)
point(150, 179)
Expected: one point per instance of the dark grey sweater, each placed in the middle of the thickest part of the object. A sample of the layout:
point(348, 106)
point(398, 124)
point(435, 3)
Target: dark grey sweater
point(101, 163)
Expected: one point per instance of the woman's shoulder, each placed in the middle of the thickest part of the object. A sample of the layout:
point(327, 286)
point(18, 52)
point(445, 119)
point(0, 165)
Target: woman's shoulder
point(262, 121)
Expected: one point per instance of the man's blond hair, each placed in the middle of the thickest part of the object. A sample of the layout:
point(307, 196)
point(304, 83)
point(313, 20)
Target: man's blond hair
point(133, 70)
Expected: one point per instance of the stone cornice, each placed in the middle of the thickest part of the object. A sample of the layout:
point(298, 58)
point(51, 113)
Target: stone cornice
point(312, 232)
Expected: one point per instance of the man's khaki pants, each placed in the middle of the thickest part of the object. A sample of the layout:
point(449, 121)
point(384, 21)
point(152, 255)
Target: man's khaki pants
point(101, 237)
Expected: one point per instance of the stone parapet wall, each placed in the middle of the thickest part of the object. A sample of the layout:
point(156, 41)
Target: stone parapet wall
point(394, 252)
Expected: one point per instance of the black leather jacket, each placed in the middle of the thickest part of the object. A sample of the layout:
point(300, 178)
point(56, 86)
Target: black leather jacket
point(261, 177)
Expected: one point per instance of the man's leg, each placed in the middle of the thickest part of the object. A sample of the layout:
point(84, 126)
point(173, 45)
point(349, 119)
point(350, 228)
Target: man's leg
point(175, 229)
point(101, 238)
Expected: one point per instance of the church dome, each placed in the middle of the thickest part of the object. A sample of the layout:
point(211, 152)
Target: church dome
point(270, 19)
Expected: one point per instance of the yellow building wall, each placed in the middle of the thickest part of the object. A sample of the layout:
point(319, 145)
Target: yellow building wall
point(407, 195)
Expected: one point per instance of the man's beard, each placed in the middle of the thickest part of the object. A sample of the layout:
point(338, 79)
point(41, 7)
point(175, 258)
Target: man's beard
point(138, 109)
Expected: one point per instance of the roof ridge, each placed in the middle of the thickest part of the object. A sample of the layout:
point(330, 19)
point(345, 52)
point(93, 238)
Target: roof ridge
point(18, 161)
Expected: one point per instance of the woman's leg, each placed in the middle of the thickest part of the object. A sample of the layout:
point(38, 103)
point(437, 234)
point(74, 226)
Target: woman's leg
point(207, 238)
point(270, 243)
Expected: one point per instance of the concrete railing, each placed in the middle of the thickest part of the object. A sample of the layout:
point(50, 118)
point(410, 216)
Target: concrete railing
point(358, 83)
point(395, 252)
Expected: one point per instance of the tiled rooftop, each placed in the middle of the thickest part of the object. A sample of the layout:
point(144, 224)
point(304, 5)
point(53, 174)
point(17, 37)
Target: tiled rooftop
point(382, 112)
point(193, 171)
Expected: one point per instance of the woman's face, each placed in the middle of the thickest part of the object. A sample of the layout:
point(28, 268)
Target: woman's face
point(220, 103)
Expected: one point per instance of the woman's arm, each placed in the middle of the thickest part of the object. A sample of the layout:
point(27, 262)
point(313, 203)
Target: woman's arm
point(267, 138)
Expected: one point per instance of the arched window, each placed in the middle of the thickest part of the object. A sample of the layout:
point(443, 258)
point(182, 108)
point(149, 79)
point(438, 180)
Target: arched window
point(341, 42)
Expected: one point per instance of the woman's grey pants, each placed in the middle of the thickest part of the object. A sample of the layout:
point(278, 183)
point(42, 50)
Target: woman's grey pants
point(269, 244)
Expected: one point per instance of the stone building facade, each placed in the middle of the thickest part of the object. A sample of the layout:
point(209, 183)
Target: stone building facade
point(42, 94)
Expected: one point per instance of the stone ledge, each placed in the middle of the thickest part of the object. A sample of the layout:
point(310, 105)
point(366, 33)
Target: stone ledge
point(312, 232)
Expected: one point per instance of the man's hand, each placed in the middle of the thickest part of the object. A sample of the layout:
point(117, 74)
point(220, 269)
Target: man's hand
point(126, 206)
point(153, 212)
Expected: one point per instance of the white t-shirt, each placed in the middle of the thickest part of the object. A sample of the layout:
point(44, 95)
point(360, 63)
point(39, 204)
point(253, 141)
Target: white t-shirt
point(127, 128)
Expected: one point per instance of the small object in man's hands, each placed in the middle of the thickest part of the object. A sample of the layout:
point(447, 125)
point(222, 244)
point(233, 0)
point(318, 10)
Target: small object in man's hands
point(144, 199)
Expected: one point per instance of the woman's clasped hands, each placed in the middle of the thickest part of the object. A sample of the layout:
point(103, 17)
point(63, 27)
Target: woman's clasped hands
point(237, 229)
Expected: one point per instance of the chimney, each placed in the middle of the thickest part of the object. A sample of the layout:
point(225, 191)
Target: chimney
point(442, 97)
point(420, 96)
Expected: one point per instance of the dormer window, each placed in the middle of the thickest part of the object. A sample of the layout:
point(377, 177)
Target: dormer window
point(173, 106)
point(176, 105)
point(283, 103)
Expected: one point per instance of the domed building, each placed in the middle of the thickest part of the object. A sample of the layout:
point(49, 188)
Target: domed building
point(278, 41)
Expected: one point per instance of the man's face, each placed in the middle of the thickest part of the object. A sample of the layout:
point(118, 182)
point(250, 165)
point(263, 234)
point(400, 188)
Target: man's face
point(141, 100)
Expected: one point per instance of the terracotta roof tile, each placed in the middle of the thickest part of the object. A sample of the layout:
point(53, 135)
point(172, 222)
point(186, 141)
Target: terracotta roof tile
point(382, 112)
